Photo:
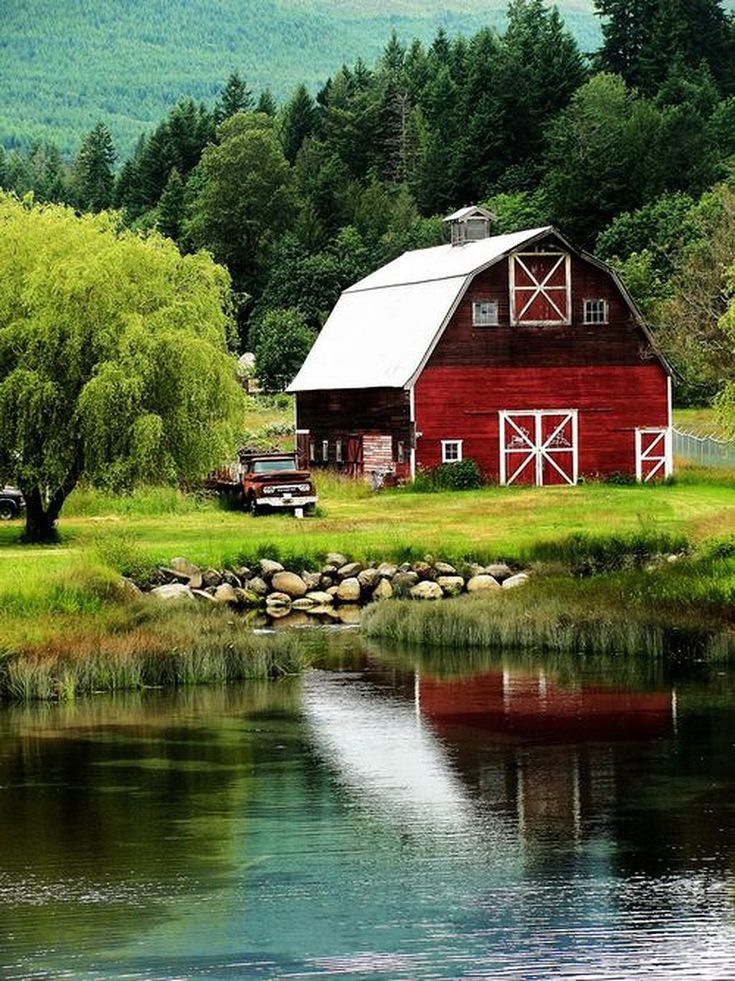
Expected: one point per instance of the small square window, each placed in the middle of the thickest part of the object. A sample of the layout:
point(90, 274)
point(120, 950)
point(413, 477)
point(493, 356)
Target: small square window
point(451, 450)
point(325, 450)
point(485, 313)
point(338, 450)
point(595, 311)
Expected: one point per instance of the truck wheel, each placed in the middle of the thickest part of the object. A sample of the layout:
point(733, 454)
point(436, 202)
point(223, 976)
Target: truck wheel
point(7, 510)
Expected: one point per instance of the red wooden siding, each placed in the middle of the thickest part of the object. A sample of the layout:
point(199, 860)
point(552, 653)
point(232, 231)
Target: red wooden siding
point(464, 403)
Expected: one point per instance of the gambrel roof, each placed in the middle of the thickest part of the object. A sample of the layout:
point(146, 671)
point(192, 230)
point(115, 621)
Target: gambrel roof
point(382, 329)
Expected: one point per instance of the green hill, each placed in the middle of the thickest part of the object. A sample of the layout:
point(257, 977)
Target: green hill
point(67, 64)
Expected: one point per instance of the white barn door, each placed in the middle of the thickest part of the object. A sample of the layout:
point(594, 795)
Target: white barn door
point(539, 447)
point(653, 456)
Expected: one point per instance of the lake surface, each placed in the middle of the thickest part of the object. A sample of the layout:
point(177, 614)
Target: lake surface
point(386, 817)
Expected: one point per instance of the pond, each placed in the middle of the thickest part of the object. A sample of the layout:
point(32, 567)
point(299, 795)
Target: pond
point(384, 816)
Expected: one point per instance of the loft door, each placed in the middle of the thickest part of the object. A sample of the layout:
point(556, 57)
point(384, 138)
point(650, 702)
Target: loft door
point(539, 447)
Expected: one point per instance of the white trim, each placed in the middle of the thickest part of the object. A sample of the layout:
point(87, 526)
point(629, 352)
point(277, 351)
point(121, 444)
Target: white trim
point(412, 425)
point(537, 288)
point(495, 322)
point(452, 442)
point(537, 449)
point(605, 311)
point(669, 389)
point(325, 451)
point(658, 453)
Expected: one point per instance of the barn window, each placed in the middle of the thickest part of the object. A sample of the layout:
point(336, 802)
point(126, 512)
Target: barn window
point(485, 313)
point(595, 311)
point(400, 451)
point(451, 450)
point(312, 450)
point(325, 450)
point(540, 288)
point(338, 450)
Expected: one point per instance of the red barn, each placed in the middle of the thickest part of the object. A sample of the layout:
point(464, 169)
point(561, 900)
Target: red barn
point(517, 351)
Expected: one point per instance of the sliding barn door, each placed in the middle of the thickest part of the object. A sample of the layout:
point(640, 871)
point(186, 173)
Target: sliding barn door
point(539, 447)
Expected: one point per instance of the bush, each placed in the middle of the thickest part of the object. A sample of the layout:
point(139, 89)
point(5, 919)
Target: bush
point(463, 475)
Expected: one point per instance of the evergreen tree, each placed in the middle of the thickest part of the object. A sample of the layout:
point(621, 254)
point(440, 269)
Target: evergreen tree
point(298, 122)
point(171, 206)
point(93, 176)
point(626, 31)
point(266, 103)
point(235, 97)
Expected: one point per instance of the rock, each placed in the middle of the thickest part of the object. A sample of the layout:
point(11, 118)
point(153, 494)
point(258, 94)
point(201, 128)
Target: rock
point(231, 579)
point(268, 568)
point(202, 594)
point(248, 598)
point(243, 572)
point(172, 591)
point(349, 570)
point(258, 585)
point(405, 567)
point(445, 569)
point(195, 581)
point(320, 598)
point(387, 570)
point(332, 591)
point(210, 577)
point(289, 583)
point(129, 589)
point(171, 575)
point(426, 591)
point(312, 580)
point(325, 581)
point(329, 570)
point(383, 590)
point(514, 581)
point(424, 571)
point(472, 569)
point(672, 558)
point(451, 585)
point(185, 567)
point(499, 571)
point(482, 584)
point(225, 593)
point(349, 614)
point(368, 579)
point(303, 603)
point(335, 559)
point(322, 611)
point(278, 599)
point(278, 612)
point(402, 583)
point(348, 590)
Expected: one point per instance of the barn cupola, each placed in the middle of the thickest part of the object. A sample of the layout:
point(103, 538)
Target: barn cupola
point(470, 224)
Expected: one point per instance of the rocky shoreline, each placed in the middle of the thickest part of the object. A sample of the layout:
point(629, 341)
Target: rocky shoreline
point(277, 590)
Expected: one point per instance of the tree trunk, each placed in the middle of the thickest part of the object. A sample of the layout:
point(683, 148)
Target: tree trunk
point(41, 520)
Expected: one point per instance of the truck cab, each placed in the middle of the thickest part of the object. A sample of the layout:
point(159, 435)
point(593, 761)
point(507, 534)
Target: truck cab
point(273, 481)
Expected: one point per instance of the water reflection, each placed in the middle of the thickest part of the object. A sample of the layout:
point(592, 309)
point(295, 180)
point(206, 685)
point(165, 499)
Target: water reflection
point(401, 817)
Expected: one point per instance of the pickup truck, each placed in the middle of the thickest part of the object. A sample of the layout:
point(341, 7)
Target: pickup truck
point(268, 482)
point(12, 503)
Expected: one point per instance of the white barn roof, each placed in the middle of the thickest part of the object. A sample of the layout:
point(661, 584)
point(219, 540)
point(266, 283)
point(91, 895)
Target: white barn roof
point(382, 328)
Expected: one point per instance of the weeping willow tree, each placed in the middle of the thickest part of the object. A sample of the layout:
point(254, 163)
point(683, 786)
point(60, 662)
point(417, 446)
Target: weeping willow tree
point(113, 358)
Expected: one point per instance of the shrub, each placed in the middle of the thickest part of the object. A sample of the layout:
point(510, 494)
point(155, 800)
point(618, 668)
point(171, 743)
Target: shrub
point(463, 475)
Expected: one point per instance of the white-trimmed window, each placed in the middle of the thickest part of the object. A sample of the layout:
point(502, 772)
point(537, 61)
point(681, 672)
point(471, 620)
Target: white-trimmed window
point(451, 450)
point(312, 450)
point(485, 313)
point(325, 450)
point(595, 311)
point(400, 451)
point(338, 450)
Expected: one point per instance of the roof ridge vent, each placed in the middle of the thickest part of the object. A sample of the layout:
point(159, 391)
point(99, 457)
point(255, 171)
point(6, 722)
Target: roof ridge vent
point(470, 224)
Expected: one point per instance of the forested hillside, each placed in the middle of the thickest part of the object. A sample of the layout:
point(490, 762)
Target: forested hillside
point(628, 149)
point(64, 65)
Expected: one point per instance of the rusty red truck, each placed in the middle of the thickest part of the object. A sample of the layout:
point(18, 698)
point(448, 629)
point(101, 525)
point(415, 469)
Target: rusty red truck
point(263, 482)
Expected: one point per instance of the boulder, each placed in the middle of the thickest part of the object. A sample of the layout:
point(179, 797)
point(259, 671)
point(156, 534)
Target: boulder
point(402, 583)
point(349, 571)
point(387, 570)
point(325, 580)
point(445, 569)
point(515, 581)
point(278, 612)
point(451, 585)
point(329, 570)
point(210, 577)
point(258, 585)
point(172, 591)
point(184, 566)
point(268, 568)
point(129, 589)
point(248, 598)
point(243, 572)
point(349, 614)
point(231, 579)
point(322, 611)
point(482, 584)
point(312, 580)
point(195, 581)
point(472, 569)
point(424, 571)
point(499, 571)
point(335, 559)
point(303, 603)
point(383, 590)
point(348, 590)
point(320, 598)
point(278, 599)
point(289, 583)
point(332, 591)
point(202, 594)
point(225, 593)
point(405, 567)
point(368, 579)
point(426, 591)
point(167, 575)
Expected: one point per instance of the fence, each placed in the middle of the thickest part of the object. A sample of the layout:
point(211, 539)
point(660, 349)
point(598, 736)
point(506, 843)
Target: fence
point(707, 451)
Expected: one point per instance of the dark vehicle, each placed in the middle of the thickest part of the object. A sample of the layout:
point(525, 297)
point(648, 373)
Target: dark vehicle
point(268, 482)
point(12, 503)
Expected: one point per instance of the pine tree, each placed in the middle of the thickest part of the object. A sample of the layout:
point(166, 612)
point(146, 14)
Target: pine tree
point(626, 31)
point(266, 103)
point(93, 176)
point(234, 97)
point(171, 206)
point(298, 122)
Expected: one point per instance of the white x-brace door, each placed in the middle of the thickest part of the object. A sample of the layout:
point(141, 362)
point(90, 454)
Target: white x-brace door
point(653, 458)
point(539, 446)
